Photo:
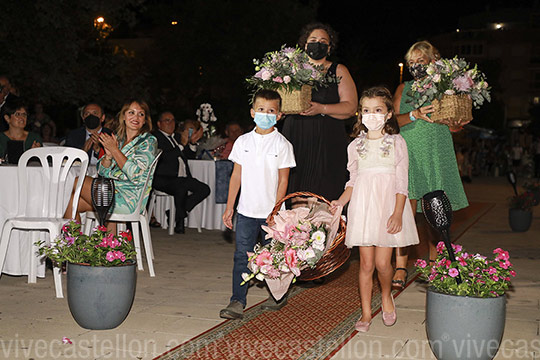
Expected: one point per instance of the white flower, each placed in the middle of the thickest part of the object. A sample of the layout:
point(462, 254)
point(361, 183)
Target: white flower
point(260, 276)
point(310, 253)
point(436, 78)
point(318, 245)
point(284, 268)
point(246, 276)
point(318, 236)
point(449, 92)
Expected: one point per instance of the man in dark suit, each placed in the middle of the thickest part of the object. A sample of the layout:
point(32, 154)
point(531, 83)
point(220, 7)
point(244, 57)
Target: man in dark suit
point(172, 174)
point(87, 136)
point(6, 97)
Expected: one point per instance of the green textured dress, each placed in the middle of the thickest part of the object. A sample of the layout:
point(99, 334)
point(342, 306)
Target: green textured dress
point(432, 160)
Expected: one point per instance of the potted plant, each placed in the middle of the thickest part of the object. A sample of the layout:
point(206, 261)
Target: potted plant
point(453, 88)
point(101, 274)
point(465, 318)
point(289, 72)
point(534, 188)
point(520, 211)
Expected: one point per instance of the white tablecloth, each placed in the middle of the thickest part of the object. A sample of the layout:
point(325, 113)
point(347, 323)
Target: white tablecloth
point(206, 215)
point(17, 259)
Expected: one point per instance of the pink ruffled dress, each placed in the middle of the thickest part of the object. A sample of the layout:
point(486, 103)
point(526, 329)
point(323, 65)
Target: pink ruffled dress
point(378, 171)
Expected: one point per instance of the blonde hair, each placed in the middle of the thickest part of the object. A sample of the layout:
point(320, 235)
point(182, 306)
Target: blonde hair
point(121, 129)
point(425, 48)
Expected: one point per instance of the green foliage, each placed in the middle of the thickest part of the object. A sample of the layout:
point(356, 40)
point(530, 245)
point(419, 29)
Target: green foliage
point(480, 276)
point(99, 249)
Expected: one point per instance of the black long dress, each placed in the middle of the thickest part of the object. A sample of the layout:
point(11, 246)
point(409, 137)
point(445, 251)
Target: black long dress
point(320, 147)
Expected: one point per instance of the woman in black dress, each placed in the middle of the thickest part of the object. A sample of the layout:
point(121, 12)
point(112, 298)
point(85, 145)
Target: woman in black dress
point(318, 134)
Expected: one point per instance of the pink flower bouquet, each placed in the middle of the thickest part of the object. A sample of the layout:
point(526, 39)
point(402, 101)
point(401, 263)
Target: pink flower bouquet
point(298, 239)
point(481, 277)
point(98, 249)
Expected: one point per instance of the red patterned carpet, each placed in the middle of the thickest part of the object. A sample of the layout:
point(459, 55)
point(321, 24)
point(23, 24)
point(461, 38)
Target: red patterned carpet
point(316, 322)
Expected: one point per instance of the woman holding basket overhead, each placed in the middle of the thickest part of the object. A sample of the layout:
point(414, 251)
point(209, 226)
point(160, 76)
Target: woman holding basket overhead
point(432, 159)
point(318, 134)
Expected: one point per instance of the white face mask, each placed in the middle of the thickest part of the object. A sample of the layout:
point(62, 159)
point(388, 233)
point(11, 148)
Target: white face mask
point(374, 122)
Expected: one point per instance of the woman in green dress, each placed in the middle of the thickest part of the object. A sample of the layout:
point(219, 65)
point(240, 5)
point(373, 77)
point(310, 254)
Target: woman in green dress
point(127, 160)
point(432, 159)
point(16, 115)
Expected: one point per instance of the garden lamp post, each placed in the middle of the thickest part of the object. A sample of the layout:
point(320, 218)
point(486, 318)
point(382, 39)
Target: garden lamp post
point(438, 213)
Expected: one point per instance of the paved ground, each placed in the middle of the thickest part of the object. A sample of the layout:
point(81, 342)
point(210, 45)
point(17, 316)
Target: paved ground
point(193, 283)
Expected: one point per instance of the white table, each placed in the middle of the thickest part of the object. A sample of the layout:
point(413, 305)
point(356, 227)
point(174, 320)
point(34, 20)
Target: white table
point(17, 258)
point(207, 214)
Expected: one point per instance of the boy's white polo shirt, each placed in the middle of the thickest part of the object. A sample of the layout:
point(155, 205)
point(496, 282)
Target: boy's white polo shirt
point(261, 157)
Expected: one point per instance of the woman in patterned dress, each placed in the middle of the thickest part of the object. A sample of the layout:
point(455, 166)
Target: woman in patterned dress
point(432, 159)
point(128, 156)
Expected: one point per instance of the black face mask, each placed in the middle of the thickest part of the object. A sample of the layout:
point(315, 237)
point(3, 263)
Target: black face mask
point(91, 122)
point(317, 50)
point(418, 71)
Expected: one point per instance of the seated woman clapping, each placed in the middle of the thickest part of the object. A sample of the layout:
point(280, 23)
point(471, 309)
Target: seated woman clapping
point(127, 160)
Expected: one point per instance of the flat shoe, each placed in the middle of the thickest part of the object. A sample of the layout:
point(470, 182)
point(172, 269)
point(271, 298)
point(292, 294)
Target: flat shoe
point(389, 318)
point(362, 326)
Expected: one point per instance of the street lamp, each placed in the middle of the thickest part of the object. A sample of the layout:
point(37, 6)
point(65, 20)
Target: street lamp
point(400, 72)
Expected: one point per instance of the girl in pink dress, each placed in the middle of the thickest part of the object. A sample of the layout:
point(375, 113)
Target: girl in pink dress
point(379, 216)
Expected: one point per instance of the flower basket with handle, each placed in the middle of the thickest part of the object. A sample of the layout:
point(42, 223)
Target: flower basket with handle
point(336, 253)
point(289, 72)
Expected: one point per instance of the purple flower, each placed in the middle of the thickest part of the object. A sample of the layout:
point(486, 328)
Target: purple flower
point(463, 83)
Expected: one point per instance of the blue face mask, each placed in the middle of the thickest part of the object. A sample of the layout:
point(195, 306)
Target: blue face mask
point(265, 121)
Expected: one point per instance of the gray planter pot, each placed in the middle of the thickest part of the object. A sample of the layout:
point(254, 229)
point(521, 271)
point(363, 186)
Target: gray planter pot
point(519, 220)
point(100, 297)
point(464, 328)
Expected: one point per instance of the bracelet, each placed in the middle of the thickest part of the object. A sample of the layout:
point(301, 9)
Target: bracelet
point(411, 116)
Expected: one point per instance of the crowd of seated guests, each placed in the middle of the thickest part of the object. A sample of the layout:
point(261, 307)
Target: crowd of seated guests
point(114, 144)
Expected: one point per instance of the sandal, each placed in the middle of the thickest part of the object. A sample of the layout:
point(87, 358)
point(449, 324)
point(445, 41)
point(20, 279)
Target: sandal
point(398, 282)
point(154, 223)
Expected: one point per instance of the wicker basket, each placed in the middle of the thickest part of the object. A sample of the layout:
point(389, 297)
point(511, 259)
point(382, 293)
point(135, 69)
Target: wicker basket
point(452, 110)
point(296, 101)
point(337, 253)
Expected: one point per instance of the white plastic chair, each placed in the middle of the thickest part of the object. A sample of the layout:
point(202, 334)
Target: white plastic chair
point(138, 217)
point(167, 202)
point(159, 203)
point(51, 217)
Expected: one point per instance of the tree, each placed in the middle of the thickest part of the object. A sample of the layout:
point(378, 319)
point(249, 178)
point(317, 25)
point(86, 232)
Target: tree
point(207, 56)
point(54, 54)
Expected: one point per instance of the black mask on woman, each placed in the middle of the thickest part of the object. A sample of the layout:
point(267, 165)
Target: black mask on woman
point(91, 122)
point(418, 71)
point(317, 50)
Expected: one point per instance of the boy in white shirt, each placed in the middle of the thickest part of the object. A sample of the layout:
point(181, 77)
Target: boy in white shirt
point(262, 160)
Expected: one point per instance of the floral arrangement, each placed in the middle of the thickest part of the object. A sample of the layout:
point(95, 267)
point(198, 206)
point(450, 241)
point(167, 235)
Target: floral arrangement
point(524, 201)
point(480, 276)
point(298, 239)
point(451, 77)
point(207, 118)
point(99, 249)
point(288, 68)
point(385, 147)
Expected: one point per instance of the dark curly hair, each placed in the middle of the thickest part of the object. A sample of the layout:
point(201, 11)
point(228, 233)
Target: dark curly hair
point(309, 28)
point(391, 126)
